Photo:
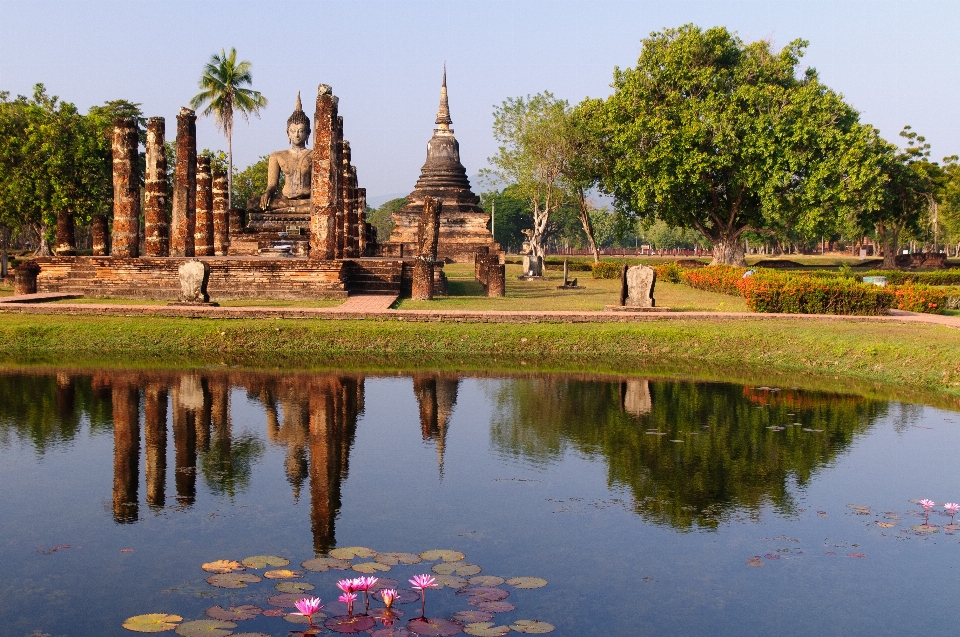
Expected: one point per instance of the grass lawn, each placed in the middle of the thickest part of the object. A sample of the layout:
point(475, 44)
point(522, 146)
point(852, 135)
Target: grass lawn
point(234, 303)
point(467, 294)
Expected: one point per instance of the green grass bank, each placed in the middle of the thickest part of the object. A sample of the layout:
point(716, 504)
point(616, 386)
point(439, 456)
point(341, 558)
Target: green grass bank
point(891, 360)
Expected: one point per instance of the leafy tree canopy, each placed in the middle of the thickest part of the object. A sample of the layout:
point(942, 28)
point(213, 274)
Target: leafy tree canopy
point(712, 133)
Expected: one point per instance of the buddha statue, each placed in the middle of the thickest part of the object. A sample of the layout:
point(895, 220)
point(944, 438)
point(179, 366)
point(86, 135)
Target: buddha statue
point(296, 164)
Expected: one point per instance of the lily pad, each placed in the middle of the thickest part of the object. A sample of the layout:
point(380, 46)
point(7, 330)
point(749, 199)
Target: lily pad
point(473, 616)
point(282, 573)
point(925, 528)
point(463, 569)
point(452, 581)
point(486, 629)
point(886, 525)
point(755, 561)
point(350, 552)
point(349, 624)
point(274, 612)
point(206, 628)
point(951, 528)
point(386, 614)
point(494, 607)
point(486, 580)
point(152, 623)
point(233, 580)
point(249, 635)
point(285, 600)
point(294, 587)
point(483, 594)
point(392, 559)
point(532, 627)
point(441, 554)
point(527, 582)
point(222, 566)
point(434, 627)
point(263, 561)
point(324, 564)
point(382, 583)
point(234, 613)
point(298, 619)
point(391, 631)
point(370, 567)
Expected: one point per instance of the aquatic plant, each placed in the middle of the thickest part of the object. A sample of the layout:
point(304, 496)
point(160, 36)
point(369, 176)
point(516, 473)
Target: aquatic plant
point(348, 599)
point(364, 584)
point(422, 583)
point(388, 595)
point(951, 508)
point(308, 607)
point(927, 505)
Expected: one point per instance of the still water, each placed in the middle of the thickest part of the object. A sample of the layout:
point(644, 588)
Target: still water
point(650, 507)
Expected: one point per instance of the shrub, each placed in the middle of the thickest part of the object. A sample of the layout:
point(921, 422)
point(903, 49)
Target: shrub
point(669, 272)
point(929, 277)
point(606, 270)
point(920, 298)
point(714, 278)
point(806, 295)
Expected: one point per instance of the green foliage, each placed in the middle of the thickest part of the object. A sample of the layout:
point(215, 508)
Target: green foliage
point(382, 217)
point(513, 216)
point(218, 159)
point(669, 272)
point(779, 292)
point(711, 133)
point(607, 270)
point(929, 277)
point(251, 182)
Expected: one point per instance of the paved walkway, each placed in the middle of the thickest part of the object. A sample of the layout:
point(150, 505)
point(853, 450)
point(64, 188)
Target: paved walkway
point(376, 307)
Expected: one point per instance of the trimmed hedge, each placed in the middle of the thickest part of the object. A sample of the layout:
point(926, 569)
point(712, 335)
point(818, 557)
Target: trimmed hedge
point(929, 277)
point(606, 270)
point(920, 298)
point(805, 295)
point(669, 272)
point(715, 278)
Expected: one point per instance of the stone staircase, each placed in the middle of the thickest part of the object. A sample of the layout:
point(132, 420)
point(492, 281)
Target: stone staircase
point(373, 276)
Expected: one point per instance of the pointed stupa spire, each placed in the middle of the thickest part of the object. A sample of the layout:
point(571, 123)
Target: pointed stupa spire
point(443, 113)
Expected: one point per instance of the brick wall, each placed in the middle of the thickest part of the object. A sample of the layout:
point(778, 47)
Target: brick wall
point(230, 278)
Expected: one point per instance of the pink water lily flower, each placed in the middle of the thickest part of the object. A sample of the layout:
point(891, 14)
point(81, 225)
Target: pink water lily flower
point(388, 595)
point(364, 584)
point(951, 507)
point(422, 583)
point(927, 504)
point(348, 599)
point(308, 607)
point(347, 585)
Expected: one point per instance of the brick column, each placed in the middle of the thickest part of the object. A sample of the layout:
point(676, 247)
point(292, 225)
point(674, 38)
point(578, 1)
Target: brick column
point(428, 233)
point(338, 150)
point(325, 187)
point(203, 234)
point(100, 235)
point(155, 225)
point(65, 244)
point(496, 280)
point(184, 186)
point(361, 222)
point(221, 218)
point(126, 189)
point(349, 178)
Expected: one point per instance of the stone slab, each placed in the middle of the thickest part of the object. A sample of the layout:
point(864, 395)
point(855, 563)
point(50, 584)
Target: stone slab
point(633, 308)
point(43, 297)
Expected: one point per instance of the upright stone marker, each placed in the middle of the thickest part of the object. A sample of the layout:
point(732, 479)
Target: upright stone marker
point(155, 226)
point(640, 282)
point(184, 186)
point(126, 189)
point(325, 188)
point(203, 235)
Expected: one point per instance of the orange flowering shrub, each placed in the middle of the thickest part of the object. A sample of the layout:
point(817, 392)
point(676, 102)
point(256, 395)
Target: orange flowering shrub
point(715, 278)
point(606, 270)
point(776, 292)
point(920, 298)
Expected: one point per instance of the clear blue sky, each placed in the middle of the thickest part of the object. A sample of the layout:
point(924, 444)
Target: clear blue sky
point(897, 62)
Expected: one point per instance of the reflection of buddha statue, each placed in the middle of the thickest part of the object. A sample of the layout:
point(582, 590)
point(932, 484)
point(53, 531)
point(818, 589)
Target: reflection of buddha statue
point(296, 164)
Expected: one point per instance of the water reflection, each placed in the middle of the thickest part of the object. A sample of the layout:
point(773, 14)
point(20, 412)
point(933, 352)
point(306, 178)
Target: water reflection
point(689, 453)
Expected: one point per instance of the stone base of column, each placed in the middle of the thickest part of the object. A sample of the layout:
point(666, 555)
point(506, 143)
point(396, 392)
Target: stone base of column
point(422, 280)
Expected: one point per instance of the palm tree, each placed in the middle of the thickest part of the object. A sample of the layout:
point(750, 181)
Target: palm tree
point(224, 92)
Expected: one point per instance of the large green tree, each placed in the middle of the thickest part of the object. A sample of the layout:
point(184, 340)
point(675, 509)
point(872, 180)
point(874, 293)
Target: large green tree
point(225, 92)
point(948, 215)
point(712, 133)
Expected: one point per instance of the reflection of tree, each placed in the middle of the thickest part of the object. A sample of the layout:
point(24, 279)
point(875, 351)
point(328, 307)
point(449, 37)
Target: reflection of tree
point(728, 458)
point(227, 461)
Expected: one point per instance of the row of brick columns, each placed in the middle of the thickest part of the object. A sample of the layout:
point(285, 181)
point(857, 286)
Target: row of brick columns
point(199, 224)
point(338, 221)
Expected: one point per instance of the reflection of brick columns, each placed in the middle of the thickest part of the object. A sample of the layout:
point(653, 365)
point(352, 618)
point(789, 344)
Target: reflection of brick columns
point(221, 219)
point(184, 186)
point(126, 453)
point(99, 232)
point(65, 397)
point(126, 189)
point(203, 235)
point(324, 481)
point(185, 450)
point(155, 226)
point(155, 432)
point(325, 185)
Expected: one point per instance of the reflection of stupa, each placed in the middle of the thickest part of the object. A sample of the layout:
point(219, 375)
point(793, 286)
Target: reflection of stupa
point(436, 397)
point(463, 223)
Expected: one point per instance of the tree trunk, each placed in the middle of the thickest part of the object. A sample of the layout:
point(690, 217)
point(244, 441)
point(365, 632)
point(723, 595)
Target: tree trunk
point(728, 250)
point(891, 243)
point(230, 168)
point(66, 241)
point(587, 225)
point(541, 216)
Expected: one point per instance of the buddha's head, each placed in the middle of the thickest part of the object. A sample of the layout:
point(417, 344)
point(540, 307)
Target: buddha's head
point(298, 125)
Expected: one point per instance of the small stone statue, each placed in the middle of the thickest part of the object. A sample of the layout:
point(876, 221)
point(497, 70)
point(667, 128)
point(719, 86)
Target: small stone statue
point(193, 283)
point(296, 164)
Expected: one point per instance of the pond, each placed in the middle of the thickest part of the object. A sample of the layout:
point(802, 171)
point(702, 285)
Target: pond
point(647, 506)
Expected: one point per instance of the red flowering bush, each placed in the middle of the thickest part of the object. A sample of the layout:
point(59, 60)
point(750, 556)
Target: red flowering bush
point(670, 272)
point(920, 298)
point(606, 270)
point(714, 278)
